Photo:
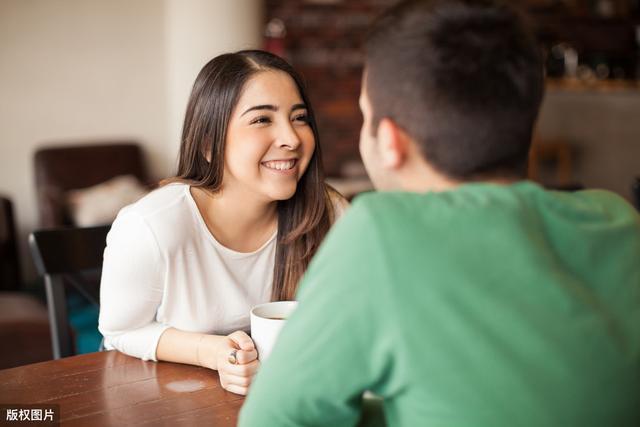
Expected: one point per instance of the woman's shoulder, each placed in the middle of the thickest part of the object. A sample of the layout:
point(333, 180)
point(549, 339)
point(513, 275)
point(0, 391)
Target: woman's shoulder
point(165, 208)
point(161, 200)
point(163, 217)
point(337, 201)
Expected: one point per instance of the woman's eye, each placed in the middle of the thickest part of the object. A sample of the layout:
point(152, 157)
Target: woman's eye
point(261, 120)
point(302, 118)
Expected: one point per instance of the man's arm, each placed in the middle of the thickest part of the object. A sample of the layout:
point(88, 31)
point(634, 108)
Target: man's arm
point(324, 359)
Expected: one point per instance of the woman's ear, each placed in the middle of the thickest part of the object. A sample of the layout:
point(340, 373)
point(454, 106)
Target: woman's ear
point(392, 144)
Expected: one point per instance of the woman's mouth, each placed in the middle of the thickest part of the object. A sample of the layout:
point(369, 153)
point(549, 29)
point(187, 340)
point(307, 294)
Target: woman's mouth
point(280, 165)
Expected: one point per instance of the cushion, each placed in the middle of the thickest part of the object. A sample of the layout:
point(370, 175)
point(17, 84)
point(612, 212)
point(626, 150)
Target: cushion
point(101, 203)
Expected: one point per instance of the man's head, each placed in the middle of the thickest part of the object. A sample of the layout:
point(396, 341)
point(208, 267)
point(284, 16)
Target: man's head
point(459, 81)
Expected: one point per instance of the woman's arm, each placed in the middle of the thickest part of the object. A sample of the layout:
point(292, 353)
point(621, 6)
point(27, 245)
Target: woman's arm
point(213, 351)
point(131, 288)
point(131, 291)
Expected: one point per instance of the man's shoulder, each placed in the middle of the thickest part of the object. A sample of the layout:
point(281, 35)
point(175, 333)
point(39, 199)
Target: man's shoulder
point(607, 202)
point(480, 209)
point(486, 196)
point(382, 207)
point(386, 202)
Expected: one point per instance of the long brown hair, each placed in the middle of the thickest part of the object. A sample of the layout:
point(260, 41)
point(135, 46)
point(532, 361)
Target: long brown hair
point(305, 218)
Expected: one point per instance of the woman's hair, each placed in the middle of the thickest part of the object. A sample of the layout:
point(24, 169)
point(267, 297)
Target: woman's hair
point(305, 218)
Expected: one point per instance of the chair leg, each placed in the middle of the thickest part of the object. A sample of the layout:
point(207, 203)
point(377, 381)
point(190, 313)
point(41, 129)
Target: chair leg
point(57, 307)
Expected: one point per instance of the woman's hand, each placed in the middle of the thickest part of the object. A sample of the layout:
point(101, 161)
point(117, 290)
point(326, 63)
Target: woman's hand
point(213, 352)
point(237, 377)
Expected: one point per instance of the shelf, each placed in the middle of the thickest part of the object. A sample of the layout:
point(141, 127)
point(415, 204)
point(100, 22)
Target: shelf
point(608, 86)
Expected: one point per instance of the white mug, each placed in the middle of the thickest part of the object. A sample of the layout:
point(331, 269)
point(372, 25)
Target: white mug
point(266, 322)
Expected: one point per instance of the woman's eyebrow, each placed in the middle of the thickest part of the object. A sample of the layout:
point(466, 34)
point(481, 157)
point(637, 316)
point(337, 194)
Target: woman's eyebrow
point(273, 108)
point(261, 107)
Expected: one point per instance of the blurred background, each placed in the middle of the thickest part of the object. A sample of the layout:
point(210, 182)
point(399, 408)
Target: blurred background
point(96, 72)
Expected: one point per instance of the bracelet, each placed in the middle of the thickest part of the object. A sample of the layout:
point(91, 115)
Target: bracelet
point(198, 349)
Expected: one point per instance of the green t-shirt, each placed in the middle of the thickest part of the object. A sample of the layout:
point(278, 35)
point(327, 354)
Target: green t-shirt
point(487, 305)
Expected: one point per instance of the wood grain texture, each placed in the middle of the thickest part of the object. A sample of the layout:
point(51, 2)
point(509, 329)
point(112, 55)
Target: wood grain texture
point(112, 389)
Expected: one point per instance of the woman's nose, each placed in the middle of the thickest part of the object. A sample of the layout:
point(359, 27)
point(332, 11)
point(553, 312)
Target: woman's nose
point(288, 137)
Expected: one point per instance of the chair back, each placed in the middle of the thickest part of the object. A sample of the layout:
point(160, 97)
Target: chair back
point(10, 273)
point(62, 168)
point(68, 257)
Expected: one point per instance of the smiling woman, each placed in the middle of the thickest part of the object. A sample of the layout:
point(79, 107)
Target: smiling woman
point(236, 227)
point(283, 141)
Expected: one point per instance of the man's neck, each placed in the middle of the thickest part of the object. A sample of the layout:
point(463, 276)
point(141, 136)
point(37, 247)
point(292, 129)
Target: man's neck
point(423, 180)
point(420, 177)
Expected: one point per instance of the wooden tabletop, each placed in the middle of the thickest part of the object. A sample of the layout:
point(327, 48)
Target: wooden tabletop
point(111, 389)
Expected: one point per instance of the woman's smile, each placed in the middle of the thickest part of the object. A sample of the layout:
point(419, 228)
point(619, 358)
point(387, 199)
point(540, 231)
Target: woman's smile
point(284, 166)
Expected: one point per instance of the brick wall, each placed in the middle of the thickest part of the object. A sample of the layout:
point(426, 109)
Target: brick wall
point(323, 42)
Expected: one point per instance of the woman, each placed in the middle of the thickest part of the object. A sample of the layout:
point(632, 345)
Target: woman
point(236, 227)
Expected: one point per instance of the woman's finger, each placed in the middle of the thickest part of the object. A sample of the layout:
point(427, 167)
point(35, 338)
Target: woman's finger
point(236, 389)
point(238, 357)
point(243, 357)
point(242, 340)
point(237, 380)
point(246, 370)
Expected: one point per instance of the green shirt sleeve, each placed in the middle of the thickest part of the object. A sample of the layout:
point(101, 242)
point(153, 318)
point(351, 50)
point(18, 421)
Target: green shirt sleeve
point(322, 362)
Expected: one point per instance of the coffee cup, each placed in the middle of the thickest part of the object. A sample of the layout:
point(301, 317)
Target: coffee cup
point(266, 322)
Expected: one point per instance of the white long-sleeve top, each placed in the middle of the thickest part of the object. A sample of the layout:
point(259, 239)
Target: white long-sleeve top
point(163, 268)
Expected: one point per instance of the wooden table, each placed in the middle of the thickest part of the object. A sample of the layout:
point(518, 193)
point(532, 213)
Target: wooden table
point(111, 389)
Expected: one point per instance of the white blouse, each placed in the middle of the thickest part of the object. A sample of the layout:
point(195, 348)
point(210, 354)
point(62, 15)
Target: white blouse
point(163, 268)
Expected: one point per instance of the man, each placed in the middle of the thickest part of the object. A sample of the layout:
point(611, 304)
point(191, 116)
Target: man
point(465, 295)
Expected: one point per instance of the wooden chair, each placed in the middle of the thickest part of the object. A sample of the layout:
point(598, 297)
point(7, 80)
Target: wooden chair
point(10, 274)
point(635, 189)
point(24, 327)
point(68, 258)
point(556, 152)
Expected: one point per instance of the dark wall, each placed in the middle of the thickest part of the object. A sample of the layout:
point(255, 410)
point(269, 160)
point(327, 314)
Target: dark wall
point(323, 43)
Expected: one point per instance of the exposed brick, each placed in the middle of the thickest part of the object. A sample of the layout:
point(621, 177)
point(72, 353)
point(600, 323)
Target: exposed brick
point(323, 42)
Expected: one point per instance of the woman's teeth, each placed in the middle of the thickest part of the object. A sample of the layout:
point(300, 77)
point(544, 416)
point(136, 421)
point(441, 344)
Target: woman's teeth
point(280, 164)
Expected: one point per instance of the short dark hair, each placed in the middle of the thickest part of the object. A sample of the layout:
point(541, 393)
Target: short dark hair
point(464, 78)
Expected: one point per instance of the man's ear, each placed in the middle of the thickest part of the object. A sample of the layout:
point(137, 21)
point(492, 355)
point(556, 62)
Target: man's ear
point(392, 144)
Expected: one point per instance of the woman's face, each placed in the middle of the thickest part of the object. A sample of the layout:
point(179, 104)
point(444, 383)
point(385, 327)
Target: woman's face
point(269, 140)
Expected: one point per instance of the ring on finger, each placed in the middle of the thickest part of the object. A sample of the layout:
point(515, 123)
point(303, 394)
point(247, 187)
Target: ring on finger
point(233, 359)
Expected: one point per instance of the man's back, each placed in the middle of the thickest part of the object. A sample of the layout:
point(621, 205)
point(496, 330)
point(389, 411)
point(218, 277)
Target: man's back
point(486, 305)
point(517, 304)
